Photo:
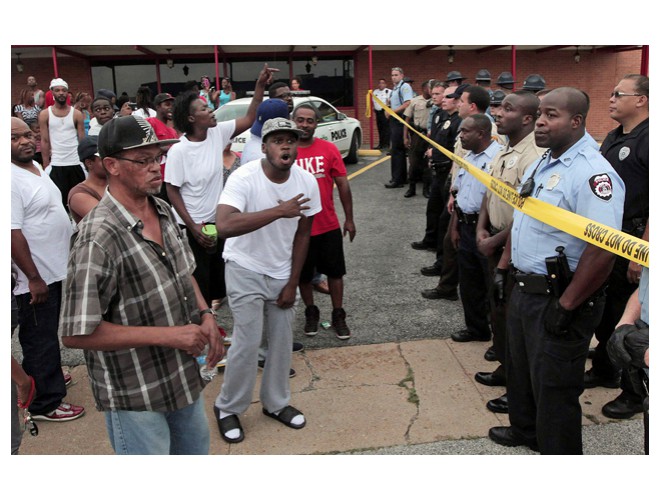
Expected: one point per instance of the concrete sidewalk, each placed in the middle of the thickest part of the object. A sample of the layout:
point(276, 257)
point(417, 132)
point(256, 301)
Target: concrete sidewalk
point(416, 397)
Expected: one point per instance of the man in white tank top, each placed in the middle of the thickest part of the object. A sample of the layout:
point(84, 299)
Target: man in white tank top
point(62, 127)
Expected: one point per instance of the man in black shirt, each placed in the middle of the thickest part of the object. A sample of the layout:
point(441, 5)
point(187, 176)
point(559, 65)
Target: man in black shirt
point(627, 149)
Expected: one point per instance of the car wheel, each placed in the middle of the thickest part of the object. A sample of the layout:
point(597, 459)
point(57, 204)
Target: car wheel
point(355, 145)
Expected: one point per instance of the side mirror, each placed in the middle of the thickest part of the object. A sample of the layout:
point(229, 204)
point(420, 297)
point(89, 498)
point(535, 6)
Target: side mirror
point(341, 116)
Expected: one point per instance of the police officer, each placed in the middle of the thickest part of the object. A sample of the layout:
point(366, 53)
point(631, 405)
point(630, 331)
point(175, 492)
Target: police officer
point(548, 331)
point(627, 149)
point(444, 131)
point(400, 98)
point(475, 136)
point(505, 81)
point(496, 103)
point(515, 119)
point(417, 115)
point(454, 78)
point(534, 83)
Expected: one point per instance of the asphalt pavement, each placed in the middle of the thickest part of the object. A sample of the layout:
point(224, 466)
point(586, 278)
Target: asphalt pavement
point(400, 354)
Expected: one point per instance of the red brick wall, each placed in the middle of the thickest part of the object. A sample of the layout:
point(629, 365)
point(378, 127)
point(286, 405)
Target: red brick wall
point(73, 70)
point(596, 74)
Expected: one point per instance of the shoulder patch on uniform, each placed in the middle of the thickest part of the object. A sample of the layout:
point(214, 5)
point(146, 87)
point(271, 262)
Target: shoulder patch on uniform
point(601, 186)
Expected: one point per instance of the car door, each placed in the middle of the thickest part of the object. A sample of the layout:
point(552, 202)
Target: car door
point(331, 128)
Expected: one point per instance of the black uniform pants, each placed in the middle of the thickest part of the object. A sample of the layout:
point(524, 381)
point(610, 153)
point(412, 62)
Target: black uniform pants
point(473, 282)
point(545, 373)
point(417, 158)
point(398, 152)
point(209, 270)
point(436, 203)
point(498, 311)
point(383, 124)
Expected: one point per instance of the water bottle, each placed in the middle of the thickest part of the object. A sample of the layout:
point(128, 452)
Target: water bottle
point(207, 373)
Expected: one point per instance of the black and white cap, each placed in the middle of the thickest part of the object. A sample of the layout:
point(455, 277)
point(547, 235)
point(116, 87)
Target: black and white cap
point(128, 132)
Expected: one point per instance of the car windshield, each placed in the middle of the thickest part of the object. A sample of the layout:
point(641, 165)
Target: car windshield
point(226, 113)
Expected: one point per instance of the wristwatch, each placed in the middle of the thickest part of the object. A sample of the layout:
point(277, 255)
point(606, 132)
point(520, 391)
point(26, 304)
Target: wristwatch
point(208, 310)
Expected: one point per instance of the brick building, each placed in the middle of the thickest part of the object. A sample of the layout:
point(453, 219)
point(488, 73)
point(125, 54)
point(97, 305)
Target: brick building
point(349, 69)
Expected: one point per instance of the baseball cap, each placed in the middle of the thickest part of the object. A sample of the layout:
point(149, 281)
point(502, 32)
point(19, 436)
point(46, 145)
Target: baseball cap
point(279, 125)
point(459, 91)
point(109, 94)
point(160, 98)
point(58, 82)
point(88, 147)
point(270, 108)
point(128, 132)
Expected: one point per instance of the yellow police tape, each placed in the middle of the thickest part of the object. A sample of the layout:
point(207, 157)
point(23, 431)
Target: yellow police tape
point(612, 240)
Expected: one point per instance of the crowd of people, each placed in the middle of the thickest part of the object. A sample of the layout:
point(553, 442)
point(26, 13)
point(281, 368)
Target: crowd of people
point(136, 226)
point(538, 292)
point(137, 221)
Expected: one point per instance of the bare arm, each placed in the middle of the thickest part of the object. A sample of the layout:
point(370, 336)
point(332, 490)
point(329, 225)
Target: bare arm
point(45, 137)
point(232, 222)
point(79, 121)
point(245, 122)
point(592, 270)
point(20, 254)
point(633, 310)
point(346, 198)
point(287, 296)
point(82, 203)
point(111, 337)
point(174, 194)
point(209, 327)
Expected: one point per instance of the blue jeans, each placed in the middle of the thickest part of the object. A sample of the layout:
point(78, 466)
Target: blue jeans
point(179, 432)
point(37, 334)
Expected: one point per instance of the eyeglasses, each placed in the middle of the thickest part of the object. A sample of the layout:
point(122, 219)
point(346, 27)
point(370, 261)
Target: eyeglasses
point(143, 163)
point(616, 94)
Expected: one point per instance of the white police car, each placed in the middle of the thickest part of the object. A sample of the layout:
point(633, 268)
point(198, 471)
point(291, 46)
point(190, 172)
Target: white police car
point(343, 131)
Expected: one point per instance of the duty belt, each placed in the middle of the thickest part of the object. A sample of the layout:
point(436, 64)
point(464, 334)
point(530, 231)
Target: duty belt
point(440, 166)
point(464, 218)
point(532, 283)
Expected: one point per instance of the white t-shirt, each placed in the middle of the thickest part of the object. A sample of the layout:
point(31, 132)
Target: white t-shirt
point(267, 250)
point(196, 169)
point(140, 112)
point(252, 150)
point(37, 210)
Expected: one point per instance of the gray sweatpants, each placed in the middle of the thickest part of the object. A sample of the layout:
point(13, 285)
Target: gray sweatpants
point(252, 299)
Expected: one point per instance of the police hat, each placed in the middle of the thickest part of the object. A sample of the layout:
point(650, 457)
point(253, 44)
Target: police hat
point(497, 98)
point(505, 78)
point(453, 76)
point(483, 75)
point(534, 83)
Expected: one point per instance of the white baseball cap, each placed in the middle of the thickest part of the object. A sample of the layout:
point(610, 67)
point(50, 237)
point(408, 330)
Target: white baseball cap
point(58, 82)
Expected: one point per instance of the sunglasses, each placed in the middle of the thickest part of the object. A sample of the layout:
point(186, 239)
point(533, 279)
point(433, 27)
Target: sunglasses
point(616, 94)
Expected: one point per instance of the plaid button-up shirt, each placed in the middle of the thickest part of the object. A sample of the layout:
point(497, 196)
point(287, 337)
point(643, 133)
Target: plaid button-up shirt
point(118, 276)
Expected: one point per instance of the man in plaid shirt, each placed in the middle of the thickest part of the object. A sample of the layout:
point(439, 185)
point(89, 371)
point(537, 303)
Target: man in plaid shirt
point(132, 304)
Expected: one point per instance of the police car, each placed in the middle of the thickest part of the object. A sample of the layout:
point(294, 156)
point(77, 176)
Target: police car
point(343, 131)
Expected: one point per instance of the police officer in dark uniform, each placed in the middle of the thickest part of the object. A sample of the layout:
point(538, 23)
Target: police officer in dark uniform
point(627, 149)
point(444, 131)
point(505, 81)
point(534, 83)
point(454, 78)
point(549, 323)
